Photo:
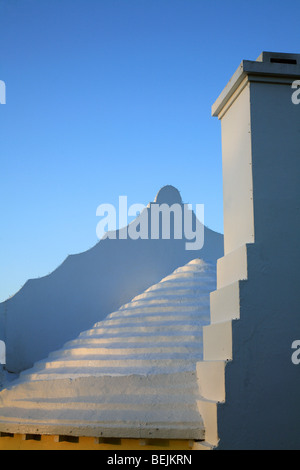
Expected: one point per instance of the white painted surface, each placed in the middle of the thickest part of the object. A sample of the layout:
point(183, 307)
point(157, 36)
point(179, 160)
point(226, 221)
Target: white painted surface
point(225, 303)
point(261, 409)
point(232, 267)
point(86, 287)
point(237, 175)
point(211, 380)
point(2, 353)
point(217, 341)
point(131, 375)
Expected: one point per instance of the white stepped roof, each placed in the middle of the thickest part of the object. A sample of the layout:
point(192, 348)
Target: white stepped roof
point(131, 375)
point(89, 285)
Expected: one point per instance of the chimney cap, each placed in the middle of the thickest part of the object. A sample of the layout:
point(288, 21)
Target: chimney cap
point(279, 58)
point(282, 67)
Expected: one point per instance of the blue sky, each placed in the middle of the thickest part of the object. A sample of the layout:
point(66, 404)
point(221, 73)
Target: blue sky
point(113, 97)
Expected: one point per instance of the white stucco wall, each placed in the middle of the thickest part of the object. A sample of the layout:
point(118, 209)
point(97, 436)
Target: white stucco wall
point(260, 315)
point(2, 353)
point(237, 174)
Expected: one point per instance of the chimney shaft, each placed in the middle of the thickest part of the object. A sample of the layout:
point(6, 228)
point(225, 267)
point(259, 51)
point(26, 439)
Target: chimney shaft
point(260, 120)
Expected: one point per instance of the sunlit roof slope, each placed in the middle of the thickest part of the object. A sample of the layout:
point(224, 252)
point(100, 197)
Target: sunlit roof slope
point(131, 375)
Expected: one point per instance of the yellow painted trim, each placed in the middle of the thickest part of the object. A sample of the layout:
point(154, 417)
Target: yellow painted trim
point(51, 442)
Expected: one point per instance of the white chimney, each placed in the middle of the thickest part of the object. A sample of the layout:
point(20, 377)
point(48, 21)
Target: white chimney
point(260, 143)
point(255, 311)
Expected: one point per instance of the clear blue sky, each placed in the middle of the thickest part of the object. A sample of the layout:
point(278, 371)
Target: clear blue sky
point(113, 97)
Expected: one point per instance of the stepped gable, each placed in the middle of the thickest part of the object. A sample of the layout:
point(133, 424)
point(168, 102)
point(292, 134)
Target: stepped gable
point(86, 287)
point(131, 375)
